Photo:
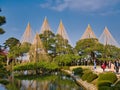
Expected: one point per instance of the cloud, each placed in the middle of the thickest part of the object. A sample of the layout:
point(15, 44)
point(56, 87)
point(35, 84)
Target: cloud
point(80, 5)
point(45, 5)
point(113, 12)
point(60, 7)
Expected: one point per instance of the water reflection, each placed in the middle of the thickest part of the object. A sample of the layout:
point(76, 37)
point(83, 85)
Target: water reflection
point(53, 82)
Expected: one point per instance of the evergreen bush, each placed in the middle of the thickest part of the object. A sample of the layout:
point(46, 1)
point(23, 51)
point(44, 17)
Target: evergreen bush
point(108, 76)
point(117, 86)
point(105, 80)
point(91, 77)
point(104, 83)
point(86, 74)
point(78, 71)
point(104, 88)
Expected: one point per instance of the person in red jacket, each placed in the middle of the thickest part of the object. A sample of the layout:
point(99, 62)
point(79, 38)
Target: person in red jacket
point(103, 66)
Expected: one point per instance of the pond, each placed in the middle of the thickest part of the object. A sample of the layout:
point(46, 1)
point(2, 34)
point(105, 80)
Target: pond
point(2, 87)
point(46, 82)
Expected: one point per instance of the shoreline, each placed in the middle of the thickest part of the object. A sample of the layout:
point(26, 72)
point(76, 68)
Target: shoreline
point(84, 84)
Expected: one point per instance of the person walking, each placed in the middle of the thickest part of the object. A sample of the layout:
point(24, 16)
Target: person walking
point(112, 69)
point(117, 65)
point(103, 66)
point(94, 64)
point(109, 64)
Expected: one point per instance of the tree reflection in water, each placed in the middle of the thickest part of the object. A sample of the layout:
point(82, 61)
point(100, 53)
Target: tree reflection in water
point(51, 82)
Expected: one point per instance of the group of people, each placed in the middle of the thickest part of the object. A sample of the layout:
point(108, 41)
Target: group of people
point(112, 66)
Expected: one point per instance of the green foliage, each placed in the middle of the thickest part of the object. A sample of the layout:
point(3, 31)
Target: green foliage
point(51, 66)
point(105, 88)
point(26, 66)
point(88, 75)
point(111, 52)
point(62, 46)
point(86, 70)
point(117, 86)
point(12, 86)
point(11, 42)
point(66, 82)
point(65, 67)
point(110, 76)
point(118, 83)
point(87, 45)
point(85, 75)
point(48, 39)
point(3, 72)
point(25, 47)
point(14, 52)
point(2, 21)
point(38, 65)
point(91, 77)
point(58, 80)
point(104, 83)
point(2, 31)
point(106, 59)
point(78, 71)
point(65, 59)
point(36, 77)
point(106, 79)
point(18, 50)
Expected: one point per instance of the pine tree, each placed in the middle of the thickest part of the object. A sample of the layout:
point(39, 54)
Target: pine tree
point(3, 71)
point(2, 21)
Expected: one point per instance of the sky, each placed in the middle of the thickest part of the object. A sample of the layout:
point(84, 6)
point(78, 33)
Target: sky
point(75, 15)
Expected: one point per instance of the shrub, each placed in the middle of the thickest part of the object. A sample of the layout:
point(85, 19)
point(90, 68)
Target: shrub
point(105, 80)
point(118, 83)
point(86, 74)
point(66, 67)
point(104, 83)
point(38, 65)
point(117, 86)
point(91, 77)
point(104, 88)
point(86, 70)
point(110, 76)
point(78, 71)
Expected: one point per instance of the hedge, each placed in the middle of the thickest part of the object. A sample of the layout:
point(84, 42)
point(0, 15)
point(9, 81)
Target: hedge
point(105, 80)
point(104, 88)
point(34, 66)
point(78, 71)
point(104, 83)
point(91, 77)
point(117, 86)
point(85, 75)
point(108, 76)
